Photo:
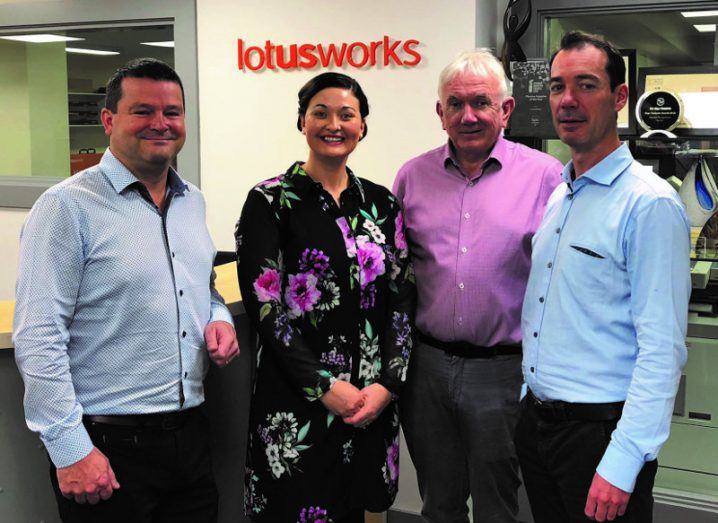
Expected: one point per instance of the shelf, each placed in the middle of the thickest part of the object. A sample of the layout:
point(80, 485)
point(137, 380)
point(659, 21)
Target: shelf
point(86, 94)
point(86, 125)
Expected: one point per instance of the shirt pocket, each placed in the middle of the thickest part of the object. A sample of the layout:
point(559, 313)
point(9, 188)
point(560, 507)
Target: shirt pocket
point(589, 269)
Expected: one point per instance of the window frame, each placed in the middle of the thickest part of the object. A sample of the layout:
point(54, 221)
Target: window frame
point(22, 191)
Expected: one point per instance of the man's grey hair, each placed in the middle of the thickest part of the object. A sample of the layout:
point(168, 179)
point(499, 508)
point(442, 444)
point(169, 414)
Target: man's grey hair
point(480, 62)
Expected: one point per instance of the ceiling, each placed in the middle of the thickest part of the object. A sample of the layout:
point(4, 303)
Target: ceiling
point(662, 38)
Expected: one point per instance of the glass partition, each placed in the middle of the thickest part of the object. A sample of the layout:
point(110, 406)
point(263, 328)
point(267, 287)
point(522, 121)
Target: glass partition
point(52, 89)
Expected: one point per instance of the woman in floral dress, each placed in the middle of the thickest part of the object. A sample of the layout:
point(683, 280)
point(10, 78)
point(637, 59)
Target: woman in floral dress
point(326, 281)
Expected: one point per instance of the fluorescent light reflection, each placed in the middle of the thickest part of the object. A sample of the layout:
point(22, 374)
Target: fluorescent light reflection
point(705, 28)
point(98, 52)
point(160, 44)
point(698, 14)
point(41, 38)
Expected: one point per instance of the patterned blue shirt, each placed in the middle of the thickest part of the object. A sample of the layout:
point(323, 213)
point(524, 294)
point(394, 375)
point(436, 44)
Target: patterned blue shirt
point(113, 296)
point(605, 312)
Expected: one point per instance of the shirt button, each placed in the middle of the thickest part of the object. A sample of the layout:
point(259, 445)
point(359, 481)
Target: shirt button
point(549, 265)
point(558, 230)
point(541, 299)
point(570, 196)
point(464, 249)
point(458, 320)
point(173, 254)
point(181, 292)
point(185, 373)
point(532, 369)
point(535, 334)
point(184, 334)
point(461, 286)
point(467, 215)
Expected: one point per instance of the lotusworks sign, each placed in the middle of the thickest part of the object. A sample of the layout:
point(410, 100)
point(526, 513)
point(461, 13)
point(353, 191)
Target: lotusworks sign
point(387, 52)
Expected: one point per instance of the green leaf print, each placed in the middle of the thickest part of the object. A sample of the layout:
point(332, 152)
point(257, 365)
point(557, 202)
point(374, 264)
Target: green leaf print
point(303, 432)
point(368, 330)
point(330, 418)
point(266, 309)
point(366, 215)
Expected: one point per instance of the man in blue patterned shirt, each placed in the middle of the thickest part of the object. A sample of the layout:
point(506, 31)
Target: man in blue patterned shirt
point(117, 317)
point(605, 312)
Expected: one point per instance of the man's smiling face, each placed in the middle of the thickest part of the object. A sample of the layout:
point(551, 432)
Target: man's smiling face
point(473, 112)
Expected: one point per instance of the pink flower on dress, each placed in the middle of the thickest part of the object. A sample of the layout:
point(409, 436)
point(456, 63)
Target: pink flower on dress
point(370, 257)
point(349, 242)
point(301, 294)
point(392, 459)
point(272, 182)
point(399, 238)
point(266, 286)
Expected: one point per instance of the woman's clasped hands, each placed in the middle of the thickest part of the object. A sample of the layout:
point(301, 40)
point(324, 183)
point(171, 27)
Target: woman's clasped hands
point(356, 407)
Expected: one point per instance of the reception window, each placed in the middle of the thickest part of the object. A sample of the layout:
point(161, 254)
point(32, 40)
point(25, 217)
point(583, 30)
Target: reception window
point(52, 83)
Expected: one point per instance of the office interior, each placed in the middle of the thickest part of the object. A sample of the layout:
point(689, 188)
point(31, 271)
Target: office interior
point(240, 126)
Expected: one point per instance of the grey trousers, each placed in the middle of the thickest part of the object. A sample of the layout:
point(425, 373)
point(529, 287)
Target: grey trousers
point(459, 416)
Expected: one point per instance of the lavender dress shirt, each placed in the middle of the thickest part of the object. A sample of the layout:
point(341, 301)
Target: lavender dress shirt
point(470, 238)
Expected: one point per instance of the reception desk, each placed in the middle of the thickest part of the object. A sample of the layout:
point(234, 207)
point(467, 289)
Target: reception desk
point(226, 283)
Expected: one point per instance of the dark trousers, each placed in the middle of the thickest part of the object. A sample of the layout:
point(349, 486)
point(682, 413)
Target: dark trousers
point(458, 416)
point(558, 462)
point(164, 475)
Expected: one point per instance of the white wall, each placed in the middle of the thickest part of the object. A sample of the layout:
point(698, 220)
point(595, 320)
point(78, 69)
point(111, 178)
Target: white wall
point(247, 119)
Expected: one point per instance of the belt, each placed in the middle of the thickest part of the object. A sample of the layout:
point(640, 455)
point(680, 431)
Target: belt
point(566, 411)
point(160, 420)
point(469, 350)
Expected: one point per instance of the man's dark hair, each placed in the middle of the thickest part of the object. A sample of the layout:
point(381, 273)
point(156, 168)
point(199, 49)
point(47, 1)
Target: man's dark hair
point(138, 68)
point(325, 81)
point(615, 66)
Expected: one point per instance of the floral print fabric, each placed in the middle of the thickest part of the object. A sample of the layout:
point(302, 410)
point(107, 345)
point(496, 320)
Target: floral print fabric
point(330, 291)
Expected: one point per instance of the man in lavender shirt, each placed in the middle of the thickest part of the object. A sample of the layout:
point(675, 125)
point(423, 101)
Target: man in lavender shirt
point(471, 207)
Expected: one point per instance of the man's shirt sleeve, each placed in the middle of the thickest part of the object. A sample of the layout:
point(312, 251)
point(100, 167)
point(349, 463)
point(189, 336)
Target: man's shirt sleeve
point(657, 247)
point(49, 274)
point(218, 311)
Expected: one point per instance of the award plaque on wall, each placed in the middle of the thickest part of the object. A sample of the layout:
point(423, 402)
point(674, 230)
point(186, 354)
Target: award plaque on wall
point(697, 91)
point(659, 112)
point(532, 115)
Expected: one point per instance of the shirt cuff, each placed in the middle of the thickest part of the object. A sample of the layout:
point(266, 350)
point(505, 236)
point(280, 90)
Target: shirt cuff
point(619, 468)
point(70, 447)
point(220, 312)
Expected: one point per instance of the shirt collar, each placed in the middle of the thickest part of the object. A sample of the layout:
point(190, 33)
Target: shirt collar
point(301, 179)
point(605, 171)
point(121, 178)
point(498, 154)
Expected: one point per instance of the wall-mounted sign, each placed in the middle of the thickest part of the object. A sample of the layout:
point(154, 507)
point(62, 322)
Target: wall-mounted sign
point(386, 52)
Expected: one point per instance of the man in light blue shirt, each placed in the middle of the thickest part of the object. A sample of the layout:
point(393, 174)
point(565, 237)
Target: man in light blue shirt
point(117, 316)
point(605, 311)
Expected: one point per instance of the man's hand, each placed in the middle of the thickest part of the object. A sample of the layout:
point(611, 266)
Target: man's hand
point(221, 341)
point(343, 399)
point(376, 398)
point(605, 501)
point(89, 480)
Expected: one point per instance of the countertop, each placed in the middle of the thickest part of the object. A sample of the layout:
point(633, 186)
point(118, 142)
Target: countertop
point(226, 283)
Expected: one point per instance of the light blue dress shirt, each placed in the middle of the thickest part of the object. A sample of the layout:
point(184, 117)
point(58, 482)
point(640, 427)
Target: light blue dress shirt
point(112, 301)
point(605, 313)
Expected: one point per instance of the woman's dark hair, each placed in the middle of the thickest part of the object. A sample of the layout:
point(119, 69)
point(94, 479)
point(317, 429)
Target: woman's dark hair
point(327, 80)
point(615, 66)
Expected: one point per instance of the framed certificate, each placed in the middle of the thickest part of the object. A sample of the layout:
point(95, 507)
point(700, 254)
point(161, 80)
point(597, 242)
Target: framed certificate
point(697, 89)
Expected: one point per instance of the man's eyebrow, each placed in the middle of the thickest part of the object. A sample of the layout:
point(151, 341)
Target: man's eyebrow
point(584, 76)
